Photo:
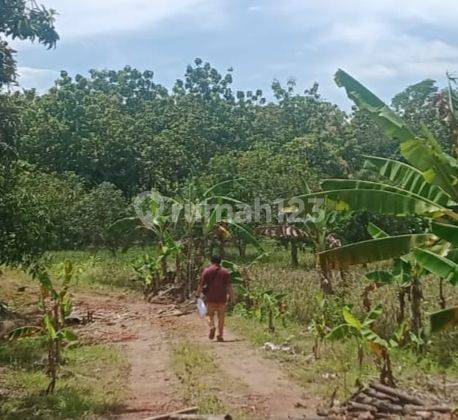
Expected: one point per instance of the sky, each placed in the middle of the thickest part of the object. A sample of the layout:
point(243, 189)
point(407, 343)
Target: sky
point(385, 44)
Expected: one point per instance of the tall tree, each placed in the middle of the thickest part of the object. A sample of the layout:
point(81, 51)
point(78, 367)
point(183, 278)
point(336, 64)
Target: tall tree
point(23, 20)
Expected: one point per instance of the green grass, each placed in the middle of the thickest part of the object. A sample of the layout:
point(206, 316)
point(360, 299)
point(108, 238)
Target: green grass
point(337, 367)
point(89, 384)
point(201, 380)
point(100, 269)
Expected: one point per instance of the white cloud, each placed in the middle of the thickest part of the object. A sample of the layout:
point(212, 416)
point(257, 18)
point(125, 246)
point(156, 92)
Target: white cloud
point(377, 40)
point(40, 79)
point(89, 17)
point(358, 10)
point(254, 8)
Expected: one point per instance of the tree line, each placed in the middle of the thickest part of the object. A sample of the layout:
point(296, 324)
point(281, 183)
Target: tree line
point(96, 141)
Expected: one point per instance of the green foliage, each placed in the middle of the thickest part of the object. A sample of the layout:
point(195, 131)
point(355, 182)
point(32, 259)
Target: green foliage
point(94, 215)
point(427, 188)
point(77, 395)
point(55, 211)
point(443, 320)
point(22, 20)
point(392, 124)
point(55, 306)
point(26, 21)
point(363, 332)
point(265, 305)
point(418, 106)
point(372, 250)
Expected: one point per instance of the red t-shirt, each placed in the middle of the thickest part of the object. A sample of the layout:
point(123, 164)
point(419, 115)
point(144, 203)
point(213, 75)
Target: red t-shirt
point(215, 281)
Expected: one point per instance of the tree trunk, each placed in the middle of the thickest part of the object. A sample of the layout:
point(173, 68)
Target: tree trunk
point(241, 245)
point(442, 301)
point(415, 304)
point(189, 267)
point(402, 304)
point(222, 243)
point(294, 257)
point(271, 321)
point(325, 280)
point(343, 278)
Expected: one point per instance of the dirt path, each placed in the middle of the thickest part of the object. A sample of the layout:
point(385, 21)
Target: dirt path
point(151, 387)
point(265, 387)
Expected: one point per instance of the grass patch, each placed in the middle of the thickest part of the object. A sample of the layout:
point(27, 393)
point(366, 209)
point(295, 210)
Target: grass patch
point(89, 384)
point(201, 380)
point(337, 367)
point(100, 269)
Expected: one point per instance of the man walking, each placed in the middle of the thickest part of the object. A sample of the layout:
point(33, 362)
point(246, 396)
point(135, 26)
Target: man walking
point(215, 284)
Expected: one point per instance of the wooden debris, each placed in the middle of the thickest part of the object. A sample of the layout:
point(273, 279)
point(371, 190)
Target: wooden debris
point(200, 417)
point(168, 416)
point(190, 414)
point(378, 401)
point(397, 393)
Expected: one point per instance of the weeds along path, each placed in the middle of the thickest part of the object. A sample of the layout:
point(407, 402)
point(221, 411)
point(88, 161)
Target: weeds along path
point(242, 378)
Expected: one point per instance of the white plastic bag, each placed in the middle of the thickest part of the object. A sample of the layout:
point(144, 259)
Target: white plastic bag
point(201, 307)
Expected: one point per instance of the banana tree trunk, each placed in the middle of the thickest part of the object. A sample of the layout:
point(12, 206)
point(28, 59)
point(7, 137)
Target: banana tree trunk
point(241, 245)
point(325, 280)
point(415, 304)
point(402, 304)
point(294, 257)
point(323, 272)
point(189, 267)
point(442, 301)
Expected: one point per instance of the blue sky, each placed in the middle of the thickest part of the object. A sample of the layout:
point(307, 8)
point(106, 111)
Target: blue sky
point(386, 44)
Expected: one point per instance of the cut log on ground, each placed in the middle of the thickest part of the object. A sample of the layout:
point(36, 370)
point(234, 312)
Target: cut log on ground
point(397, 393)
point(379, 401)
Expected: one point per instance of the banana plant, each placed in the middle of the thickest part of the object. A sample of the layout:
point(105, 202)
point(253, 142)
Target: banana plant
point(426, 186)
point(198, 215)
point(366, 339)
point(263, 304)
point(148, 267)
point(153, 213)
point(55, 306)
point(402, 276)
point(318, 225)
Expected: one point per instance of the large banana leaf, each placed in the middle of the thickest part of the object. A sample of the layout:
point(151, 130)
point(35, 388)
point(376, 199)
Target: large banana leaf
point(380, 276)
point(350, 319)
point(393, 125)
point(245, 232)
point(402, 270)
point(347, 184)
point(446, 231)
point(372, 250)
point(443, 320)
point(407, 178)
point(377, 201)
point(436, 264)
point(437, 167)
